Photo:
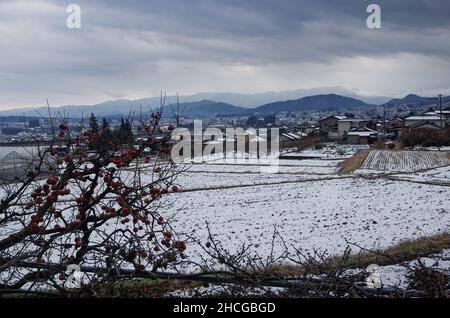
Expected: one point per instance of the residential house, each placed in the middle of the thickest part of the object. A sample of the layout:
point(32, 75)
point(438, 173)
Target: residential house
point(361, 136)
point(329, 126)
point(426, 121)
point(308, 127)
point(347, 124)
point(395, 124)
point(445, 115)
point(425, 124)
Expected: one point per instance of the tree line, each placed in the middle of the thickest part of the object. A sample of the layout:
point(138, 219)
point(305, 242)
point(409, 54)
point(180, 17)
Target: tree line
point(103, 137)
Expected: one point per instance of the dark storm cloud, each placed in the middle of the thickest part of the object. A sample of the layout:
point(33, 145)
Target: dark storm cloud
point(125, 47)
point(262, 30)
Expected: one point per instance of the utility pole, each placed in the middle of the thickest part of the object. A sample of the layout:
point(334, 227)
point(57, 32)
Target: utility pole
point(440, 110)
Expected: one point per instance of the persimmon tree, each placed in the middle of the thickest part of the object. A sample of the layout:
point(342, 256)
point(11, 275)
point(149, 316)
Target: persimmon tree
point(101, 207)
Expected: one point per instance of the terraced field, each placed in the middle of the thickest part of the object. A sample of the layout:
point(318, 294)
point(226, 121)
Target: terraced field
point(405, 161)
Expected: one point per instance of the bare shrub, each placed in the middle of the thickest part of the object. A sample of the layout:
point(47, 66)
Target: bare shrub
point(91, 208)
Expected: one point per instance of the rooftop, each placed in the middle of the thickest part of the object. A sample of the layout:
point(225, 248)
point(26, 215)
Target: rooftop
point(437, 117)
point(351, 120)
point(363, 132)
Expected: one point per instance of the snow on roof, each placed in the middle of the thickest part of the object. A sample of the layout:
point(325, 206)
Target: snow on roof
point(226, 139)
point(362, 133)
point(291, 136)
point(436, 117)
point(437, 112)
point(337, 117)
point(257, 139)
point(300, 133)
point(214, 142)
point(351, 119)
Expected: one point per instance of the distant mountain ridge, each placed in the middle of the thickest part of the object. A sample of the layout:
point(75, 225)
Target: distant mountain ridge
point(197, 108)
point(413, 99)
point(318, 102)
point(123, 107)
point(258, 99)
point(207, 107)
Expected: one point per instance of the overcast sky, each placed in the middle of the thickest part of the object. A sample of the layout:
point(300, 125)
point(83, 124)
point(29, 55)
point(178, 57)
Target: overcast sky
point(134, 49)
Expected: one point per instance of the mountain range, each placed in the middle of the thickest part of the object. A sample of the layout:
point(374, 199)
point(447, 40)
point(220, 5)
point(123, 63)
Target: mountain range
point(317, 102)
point(211, 107)
point(416, 100)
point(258, 99)
point(204, 107)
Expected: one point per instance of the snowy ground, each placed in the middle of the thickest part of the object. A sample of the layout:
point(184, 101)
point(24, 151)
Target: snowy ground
point(283, 167)
point(396, 275)
point(330, 151)
point(207, 180)
point(438, 175)
point(310, 205)
point(324, 214)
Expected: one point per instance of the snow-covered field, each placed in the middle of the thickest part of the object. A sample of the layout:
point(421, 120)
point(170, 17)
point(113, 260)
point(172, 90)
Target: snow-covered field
point(329, 151)
point(404, 161)
point(310, 205)
point(254, 168)
point(281, 162)
point(324, 214)
point(438, 175)
point(207, 180)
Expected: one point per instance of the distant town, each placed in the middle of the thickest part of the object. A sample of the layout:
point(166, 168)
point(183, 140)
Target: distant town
point(364, 124)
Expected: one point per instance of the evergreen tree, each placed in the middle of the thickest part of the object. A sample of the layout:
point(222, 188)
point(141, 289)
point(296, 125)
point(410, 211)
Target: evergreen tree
point(128, 131)
point(93, 129)
point(105, 125)
point(93, 124)
point(124, 133)
point(105, 140)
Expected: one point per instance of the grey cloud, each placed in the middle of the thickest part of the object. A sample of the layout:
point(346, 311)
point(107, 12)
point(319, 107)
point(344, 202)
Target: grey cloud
point(126, 46)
